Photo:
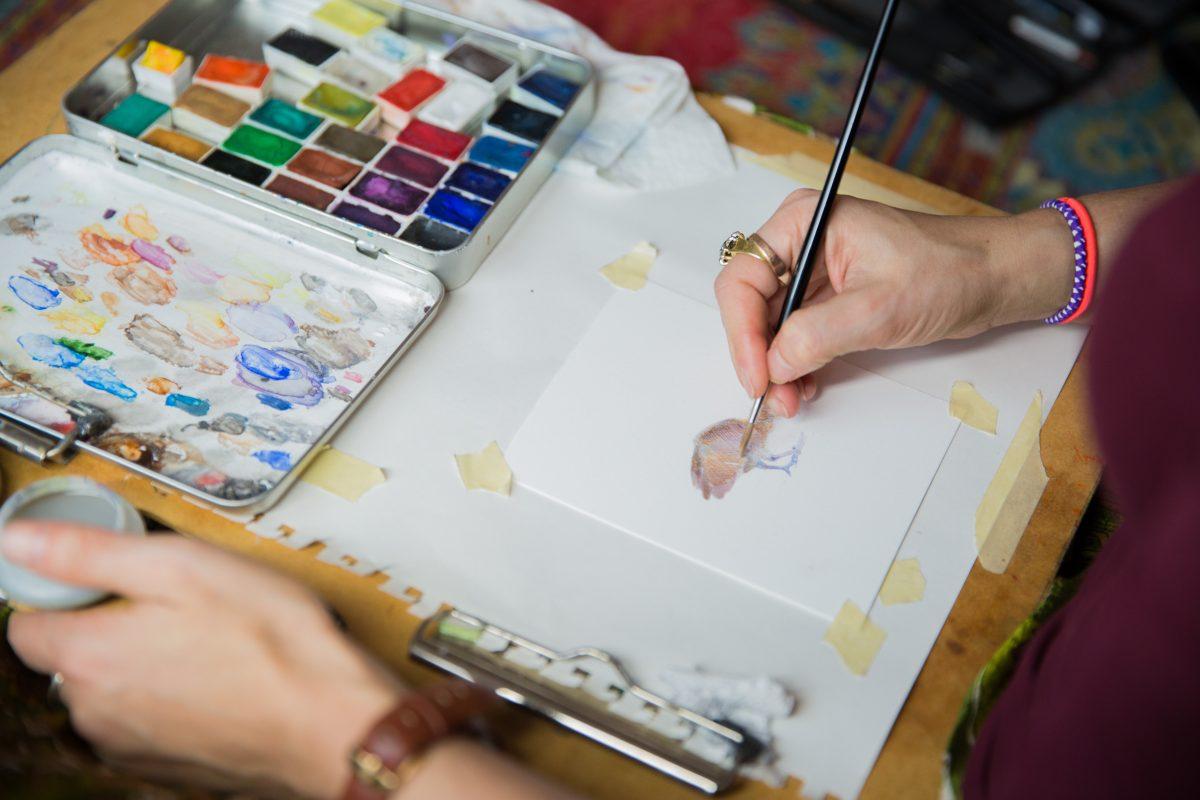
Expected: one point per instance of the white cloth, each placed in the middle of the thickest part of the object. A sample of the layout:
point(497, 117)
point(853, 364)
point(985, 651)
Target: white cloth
point(648, 131)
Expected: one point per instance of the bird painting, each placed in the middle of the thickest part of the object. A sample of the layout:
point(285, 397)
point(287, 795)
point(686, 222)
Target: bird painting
point(716, 464)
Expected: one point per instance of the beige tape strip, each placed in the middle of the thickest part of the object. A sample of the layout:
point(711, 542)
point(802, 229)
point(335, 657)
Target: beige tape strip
point(856, 638)
point(343, 474)
point(1013, 494)
point(905, 583)
point(810, 171)
point(486, 470)
point(630, 270)
point(967, 404)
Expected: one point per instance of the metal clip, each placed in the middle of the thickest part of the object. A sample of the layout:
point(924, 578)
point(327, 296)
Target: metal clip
point(587, 691)
point(38, 444)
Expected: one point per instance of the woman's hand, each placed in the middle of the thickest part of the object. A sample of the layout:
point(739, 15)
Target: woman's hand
point(885, 278)
point(210, 668)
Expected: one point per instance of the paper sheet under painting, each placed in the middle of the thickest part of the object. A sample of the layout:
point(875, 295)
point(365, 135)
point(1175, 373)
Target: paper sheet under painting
point(222, 353)
point(641, 426)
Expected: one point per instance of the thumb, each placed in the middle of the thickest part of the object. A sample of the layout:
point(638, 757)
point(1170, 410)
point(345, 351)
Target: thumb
point(818, 333)
point(127, 565)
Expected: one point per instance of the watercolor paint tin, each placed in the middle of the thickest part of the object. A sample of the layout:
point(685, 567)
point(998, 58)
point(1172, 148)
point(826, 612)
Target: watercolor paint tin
point(341, 106)
point(274, 31)
point(66, 498)
point(285, 118)
point(207, 113)
point(162, 72)
point(136, 114)
point(460, 106)
point(219, 329)
point(398, 101)
point(471, 60)
point(356, 75)
point(389, 52)
point(343, 21)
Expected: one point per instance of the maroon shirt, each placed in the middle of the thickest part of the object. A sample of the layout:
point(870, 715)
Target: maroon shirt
point(1105, 701)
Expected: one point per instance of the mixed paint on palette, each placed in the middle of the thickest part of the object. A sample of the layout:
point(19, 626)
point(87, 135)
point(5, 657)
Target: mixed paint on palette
point(717, 464)
point(221, 354)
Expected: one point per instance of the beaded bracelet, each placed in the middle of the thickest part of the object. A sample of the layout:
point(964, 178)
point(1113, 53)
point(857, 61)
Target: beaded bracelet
point(1083, 234)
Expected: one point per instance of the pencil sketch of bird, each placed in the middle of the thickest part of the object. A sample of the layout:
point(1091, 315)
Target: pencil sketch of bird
point(716, 463)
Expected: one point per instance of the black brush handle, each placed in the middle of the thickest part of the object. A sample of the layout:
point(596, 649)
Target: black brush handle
point(812, 241)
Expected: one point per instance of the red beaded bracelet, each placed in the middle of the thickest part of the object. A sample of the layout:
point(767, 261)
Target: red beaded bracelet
point(1083, 236)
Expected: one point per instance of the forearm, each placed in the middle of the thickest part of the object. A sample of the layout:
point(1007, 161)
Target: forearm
point(1029, 255)
point(461, 768)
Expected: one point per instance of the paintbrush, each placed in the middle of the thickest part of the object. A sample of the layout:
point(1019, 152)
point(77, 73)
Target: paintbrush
point(812, 240)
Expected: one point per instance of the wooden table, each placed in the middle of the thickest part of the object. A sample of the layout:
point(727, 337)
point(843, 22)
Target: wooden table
point(988, 609)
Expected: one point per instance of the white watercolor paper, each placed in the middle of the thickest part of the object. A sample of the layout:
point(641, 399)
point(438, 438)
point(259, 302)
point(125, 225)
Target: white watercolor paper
point(613, 436)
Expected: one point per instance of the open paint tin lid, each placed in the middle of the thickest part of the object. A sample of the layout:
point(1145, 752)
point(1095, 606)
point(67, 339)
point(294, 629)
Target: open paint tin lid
point(213, 344)
point(61, 499)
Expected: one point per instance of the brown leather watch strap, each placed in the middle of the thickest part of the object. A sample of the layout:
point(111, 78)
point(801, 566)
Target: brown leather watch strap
point(419, 718)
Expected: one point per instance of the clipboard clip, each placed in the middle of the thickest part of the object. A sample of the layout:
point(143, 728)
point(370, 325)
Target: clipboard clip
point(587, 691)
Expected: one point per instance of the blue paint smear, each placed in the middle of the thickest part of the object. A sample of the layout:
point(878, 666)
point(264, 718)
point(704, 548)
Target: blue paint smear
point(266, 363)
point(492, 151)
point(273, 402)
point(105, 380)
point(556, 91)
point(195, 406)
point(480, 181)
point(34, 294)
point(275, 459)
point(454, 209)
point(44, 349)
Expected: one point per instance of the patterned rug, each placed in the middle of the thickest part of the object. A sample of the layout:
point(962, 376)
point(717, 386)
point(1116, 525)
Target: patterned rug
point(1133, 126)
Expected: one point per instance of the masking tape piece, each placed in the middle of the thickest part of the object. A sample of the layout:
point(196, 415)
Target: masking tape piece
point(630, 270)
point(486, 470)
point(967, 404)
point(905, 583)
point(809, 171)
point(1013, 494)
point(342, 474)
point(855, 637)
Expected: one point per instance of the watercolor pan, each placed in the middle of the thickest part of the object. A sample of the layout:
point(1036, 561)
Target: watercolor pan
point(431, 235)
point(178, 143)
point(504, 155)
point(248, 81)
point(135, 114)
point(261, 145)
point(412, 166)
point(356, 75)
point(392, 194)
point(322, 167)
point(286, 118)
point(350, 143)
point(478, 181)
point(545, 91)
point(207, 113)
point(399, 100)
point(162, 72)
point(384, 223)
point(236, 167)
point(521, 123)
point(434, 140)
point(472, 62)
point(299, 55)
point(462, 105)
point(341, 106)
point(271, 305)
point(389, 52)
point(300, 191)
point(456, 210)
point(343, 22)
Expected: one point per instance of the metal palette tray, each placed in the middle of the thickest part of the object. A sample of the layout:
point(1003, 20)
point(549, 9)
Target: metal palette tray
point(192, 334)
point(240, 27)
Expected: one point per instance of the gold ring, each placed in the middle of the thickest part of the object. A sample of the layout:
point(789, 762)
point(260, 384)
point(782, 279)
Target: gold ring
point(755, 247)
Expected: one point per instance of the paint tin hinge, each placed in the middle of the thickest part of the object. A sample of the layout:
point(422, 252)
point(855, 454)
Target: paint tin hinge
point(586, 690)
point(125, 155)
point(34, 445)
point(366, 248)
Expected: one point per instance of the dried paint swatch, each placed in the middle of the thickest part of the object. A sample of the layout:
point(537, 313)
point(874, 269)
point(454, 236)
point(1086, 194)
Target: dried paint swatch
point(220, 350)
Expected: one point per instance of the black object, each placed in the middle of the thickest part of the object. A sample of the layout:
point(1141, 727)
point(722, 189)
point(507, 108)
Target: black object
point(1000, 60)
point(1181, 57)
point(816, 229)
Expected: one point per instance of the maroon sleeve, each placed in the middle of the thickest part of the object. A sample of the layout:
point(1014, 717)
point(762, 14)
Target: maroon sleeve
point(1105, 701)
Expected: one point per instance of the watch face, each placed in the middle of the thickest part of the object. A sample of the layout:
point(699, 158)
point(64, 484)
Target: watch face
point(728, 245)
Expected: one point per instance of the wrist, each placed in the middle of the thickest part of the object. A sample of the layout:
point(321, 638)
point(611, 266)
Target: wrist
point(1029, 261)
